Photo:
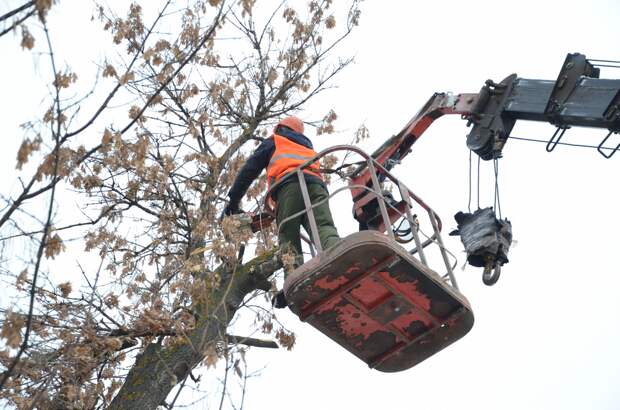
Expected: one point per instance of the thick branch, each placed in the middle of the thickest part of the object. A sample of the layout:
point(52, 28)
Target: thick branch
point(159, 369)
point(250, 341)
point(231, 339)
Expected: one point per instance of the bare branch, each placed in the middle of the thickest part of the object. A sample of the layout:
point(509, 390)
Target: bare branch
point(44, 238)
point(17, 10)
point(17, 22)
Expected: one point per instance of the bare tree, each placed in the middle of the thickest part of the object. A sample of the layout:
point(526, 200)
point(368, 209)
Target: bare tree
point(203, 80)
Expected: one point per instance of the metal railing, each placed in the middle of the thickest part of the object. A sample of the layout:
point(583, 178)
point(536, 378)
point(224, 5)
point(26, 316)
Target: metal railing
point(404, 210)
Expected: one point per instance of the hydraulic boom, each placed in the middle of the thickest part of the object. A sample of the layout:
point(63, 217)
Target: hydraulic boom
point(578, 97)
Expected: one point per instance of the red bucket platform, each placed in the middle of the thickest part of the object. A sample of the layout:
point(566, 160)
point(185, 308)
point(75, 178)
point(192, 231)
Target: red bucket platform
point(376, 300)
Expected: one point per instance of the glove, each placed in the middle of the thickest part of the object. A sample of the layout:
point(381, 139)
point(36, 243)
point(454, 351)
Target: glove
point(231, 210)
point(279, 300)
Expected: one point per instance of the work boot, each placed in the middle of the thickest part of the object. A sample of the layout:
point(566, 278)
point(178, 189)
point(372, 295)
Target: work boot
point(279, 300)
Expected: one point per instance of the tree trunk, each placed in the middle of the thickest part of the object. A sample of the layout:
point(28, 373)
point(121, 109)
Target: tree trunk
point(158, 369)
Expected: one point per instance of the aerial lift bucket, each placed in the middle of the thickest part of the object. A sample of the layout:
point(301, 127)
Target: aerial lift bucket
point(368, 294)
point(371, 295)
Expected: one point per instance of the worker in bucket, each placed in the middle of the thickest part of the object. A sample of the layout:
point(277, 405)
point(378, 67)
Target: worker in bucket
point(280, 155)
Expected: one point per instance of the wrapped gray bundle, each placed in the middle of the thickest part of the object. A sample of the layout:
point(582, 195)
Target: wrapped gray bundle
point(486, 238)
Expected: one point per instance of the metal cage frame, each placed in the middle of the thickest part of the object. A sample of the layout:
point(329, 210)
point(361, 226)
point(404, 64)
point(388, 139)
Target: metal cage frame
point(389, 213)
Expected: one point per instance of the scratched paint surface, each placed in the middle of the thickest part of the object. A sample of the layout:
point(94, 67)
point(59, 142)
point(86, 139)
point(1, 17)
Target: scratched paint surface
point(390, 319)
point(413, 323)
point(355, 325)
point(370, 292)
point(331, 283)
point(358, 333)
point(410, 289)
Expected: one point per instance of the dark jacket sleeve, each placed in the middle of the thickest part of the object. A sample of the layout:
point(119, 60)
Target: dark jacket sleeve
point(250, 171)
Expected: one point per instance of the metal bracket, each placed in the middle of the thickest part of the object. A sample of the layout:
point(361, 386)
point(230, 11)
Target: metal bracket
point(554, 141)
point(600, 146)
point(491, 126)
point(612, 113)
point(574, 68)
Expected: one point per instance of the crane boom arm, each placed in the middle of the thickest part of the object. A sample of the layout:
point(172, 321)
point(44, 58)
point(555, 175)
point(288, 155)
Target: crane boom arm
point(578, 97)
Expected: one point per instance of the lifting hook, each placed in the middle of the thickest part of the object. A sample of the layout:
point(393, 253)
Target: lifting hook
point(491, 272)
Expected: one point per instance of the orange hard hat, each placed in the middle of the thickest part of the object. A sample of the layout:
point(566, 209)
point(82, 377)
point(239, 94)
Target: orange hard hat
point(293, 123)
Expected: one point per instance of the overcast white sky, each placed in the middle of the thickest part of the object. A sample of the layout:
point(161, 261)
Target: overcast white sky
point(547, 335)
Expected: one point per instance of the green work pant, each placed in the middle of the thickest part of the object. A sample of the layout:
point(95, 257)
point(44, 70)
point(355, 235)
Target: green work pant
point(290, 201)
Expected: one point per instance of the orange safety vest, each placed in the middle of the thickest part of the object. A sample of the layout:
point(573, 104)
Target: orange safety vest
point(288, 156)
